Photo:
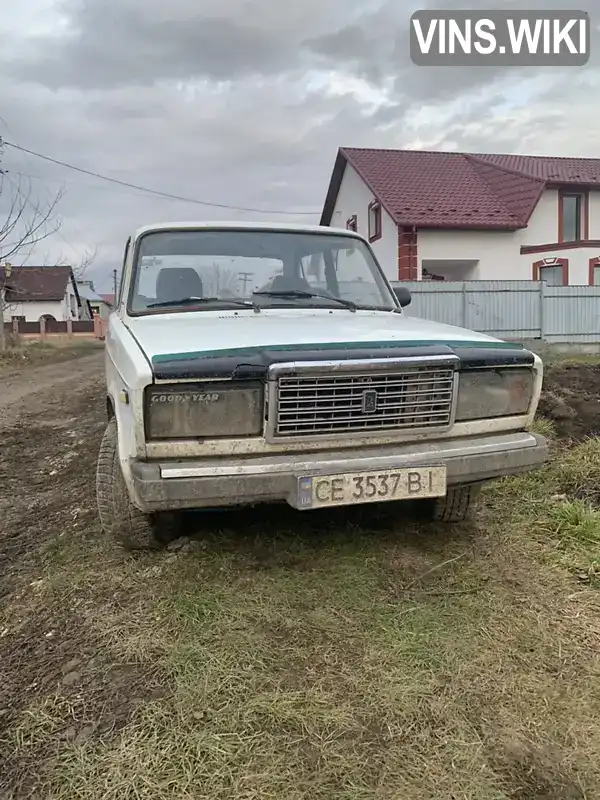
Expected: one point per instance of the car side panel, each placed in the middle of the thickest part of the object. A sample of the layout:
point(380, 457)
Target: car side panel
point(127, 373)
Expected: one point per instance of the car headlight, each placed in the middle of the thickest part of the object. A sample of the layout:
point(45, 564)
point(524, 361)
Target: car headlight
point(206, 411)
point(494, 393)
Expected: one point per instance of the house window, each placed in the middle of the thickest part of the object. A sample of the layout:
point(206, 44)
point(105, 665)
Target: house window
point(571, 209)
point(552, 272)
point(594, 272)
point(552, 275)
point(374, 221)
point(352, 223)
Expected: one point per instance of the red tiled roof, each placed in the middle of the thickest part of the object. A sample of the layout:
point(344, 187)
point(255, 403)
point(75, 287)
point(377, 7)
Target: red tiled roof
point(457, 190)
point(551, 170)
point(35, 283)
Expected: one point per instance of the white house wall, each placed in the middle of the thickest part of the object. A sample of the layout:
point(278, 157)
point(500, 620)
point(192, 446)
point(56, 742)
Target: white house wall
point(494, 255)
point(498, 252)
point(354, 197)
point(71, 309)
point(543, 229)
point(34, 309)
point(579, 262)
point(493, 250)
point(543, 224)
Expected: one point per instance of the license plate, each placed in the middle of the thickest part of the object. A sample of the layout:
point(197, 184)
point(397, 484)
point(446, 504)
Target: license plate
point(352, 488)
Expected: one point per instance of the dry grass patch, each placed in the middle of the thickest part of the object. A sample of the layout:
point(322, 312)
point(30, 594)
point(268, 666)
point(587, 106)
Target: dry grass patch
point(347, 663)
point(579, 473)
point(31, 354)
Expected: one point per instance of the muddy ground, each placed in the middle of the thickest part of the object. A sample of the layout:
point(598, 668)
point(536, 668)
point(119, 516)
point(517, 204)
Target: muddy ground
point(571, 399)
point(51, 421)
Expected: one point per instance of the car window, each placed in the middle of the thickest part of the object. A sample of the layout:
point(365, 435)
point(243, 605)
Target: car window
point(353, 278)
point(235, 264)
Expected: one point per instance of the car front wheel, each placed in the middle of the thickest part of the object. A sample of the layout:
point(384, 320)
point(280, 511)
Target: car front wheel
point(458, 505)
point(132, 528)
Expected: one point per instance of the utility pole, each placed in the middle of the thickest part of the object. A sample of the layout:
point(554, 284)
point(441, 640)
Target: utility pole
point(245, 277)
point(115, 285)
point(6, 272)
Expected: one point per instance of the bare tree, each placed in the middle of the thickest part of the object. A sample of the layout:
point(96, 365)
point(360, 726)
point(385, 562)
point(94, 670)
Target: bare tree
point(25, 222)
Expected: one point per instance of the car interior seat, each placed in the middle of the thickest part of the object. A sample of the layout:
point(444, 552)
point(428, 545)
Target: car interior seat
point(177, 283)
point(288, 283)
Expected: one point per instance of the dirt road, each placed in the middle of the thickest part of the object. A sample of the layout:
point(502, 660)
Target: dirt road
point(50, 424)
point(27, 392)
point(51, 421)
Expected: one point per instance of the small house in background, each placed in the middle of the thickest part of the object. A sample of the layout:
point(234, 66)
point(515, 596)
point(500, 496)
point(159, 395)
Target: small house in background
point(109, 299)
point(29, 294)
point(96, 302)
point(471, 216)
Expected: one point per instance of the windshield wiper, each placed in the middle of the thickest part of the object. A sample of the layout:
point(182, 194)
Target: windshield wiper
point(196, 301)
point(300, 293)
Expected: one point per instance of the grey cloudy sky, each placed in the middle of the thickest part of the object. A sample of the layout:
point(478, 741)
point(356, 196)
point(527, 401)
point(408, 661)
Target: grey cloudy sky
point(245, 102)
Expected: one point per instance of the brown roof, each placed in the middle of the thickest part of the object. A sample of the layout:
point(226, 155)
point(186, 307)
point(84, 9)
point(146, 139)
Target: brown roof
point(36, 283)
point(458, 190)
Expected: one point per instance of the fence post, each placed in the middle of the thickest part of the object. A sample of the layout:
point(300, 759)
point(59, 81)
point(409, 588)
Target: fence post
point(42, 328)
point(542, 309)
point(70, 328)
point(465, 305)
point(15, 329)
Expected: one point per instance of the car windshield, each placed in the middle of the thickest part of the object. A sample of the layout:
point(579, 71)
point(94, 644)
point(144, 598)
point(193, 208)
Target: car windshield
point(257, 268)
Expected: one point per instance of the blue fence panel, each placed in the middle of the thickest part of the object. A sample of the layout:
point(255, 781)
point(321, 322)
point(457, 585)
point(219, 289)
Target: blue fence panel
point(442, 302)
point(503, 309)
point(571, 314)
point(506, 309)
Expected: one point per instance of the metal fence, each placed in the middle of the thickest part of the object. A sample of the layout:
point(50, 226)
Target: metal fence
point(511, 309)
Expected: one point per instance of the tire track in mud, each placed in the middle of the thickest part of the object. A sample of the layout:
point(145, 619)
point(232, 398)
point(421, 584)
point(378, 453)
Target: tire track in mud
point(54, 655)
point(51, 419)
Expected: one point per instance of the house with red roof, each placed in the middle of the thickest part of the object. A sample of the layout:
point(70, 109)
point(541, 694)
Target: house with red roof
point(30, 293)
point(471, 216)
point(109, 299)
point(96, 302)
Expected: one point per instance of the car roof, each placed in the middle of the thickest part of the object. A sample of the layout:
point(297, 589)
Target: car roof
point(248, 226)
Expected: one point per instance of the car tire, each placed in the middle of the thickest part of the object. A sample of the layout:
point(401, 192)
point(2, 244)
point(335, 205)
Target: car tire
point(458, 505)
point(119, 518)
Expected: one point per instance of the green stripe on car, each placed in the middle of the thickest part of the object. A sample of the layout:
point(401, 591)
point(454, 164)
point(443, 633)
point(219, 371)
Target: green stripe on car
point(250, 351)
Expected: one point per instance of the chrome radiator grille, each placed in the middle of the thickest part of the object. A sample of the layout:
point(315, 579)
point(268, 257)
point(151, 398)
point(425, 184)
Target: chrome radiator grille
point(312, 405)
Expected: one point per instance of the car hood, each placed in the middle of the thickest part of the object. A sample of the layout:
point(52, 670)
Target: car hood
point(243, 335)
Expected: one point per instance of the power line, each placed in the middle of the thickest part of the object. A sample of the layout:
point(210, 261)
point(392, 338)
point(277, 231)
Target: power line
point(28, 202)
point(69, 182)
point(155, 192)
point(65, 182)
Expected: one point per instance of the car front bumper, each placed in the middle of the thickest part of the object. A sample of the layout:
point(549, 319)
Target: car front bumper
point(213, 482)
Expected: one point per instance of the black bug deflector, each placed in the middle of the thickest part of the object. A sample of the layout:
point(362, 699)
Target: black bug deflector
point(254, 362)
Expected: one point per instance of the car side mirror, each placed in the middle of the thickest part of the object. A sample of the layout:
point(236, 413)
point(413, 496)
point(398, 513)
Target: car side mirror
point(402, 295)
